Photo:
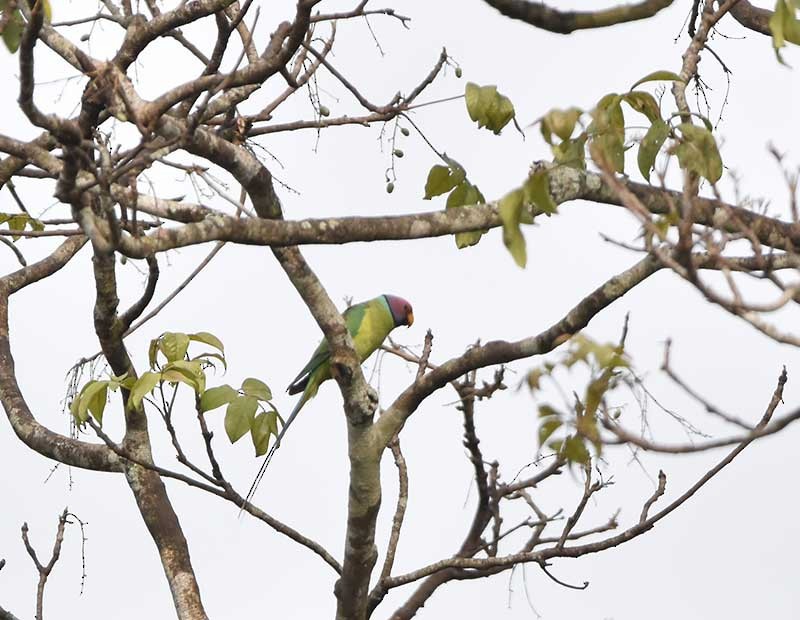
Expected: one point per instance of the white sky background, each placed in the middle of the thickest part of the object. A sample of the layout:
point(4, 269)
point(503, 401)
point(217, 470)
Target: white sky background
point(728, 553)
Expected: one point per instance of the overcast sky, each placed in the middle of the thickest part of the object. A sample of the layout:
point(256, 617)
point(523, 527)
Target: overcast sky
point(728, 553)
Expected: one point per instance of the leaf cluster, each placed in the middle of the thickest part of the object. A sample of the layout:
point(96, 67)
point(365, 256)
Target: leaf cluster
point(249, 407)
point(570, 434)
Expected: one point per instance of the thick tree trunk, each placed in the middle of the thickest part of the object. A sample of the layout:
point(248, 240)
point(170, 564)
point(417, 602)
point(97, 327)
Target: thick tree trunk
point(364, 502)
point(162, 523)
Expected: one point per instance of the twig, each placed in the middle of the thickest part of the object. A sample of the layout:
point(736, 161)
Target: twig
point(543, 566)
point(710, 408)
point(229, 494)
point(422, 365)
point(662, 486)
point(400, 509)
point(14, 249)
point(45, 569)
point(589, 488)
point(178, 289)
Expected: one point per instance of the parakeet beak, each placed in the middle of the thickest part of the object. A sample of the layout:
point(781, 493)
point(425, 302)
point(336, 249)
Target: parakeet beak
point(410, 318)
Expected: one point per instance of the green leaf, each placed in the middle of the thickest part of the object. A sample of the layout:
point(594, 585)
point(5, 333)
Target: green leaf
point(537, 192)
point(571, 153)
point(510, 210)
point(487, 107)
point(127, 381)
point(784, 26)
point(650, 146)
point(547, 428)
point(441, 179)
point(606, 356)
point(472, 96)
point(92, 398)
point(458, 196)
point(216, 397)
point(644, 103)
point(73, 409)
point(152, 352)
point(185, 371)
point(265, 424)
point(239, 417)
point(559, 122)
point(534, 379)
point(659, 76)
point(174, 345)
point(465, 194)
point(97, 402)
point(608, 133)
point(575, 451)
point(206, 358)
point(545, 411)
point(594, 396)
point(608, 150)
point(17, 222)
point(613, 117)
point(209, 339)
point(143, 386)
point(697, 152)
point(256, 388)
point(12, 33)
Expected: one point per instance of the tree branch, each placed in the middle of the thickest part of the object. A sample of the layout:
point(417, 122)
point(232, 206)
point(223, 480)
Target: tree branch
point(566, 185)
point(757, 19)
point(45, 570)
point(564, 22)
point(501, 352)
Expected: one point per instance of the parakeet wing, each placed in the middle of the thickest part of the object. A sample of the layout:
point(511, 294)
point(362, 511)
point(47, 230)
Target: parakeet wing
point(352, 318)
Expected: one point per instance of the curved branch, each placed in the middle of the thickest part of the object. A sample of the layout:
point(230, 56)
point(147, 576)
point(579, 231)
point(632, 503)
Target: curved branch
point(757, 19)
point(563, 22)
point(135, 311)
point(33, 434)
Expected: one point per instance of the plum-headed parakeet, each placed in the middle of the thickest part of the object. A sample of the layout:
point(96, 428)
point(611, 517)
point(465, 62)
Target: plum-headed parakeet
point(369, 323)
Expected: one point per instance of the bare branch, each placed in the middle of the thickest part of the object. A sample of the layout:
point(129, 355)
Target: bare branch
point(564, 22)
point(662, 486)
point(44, 570)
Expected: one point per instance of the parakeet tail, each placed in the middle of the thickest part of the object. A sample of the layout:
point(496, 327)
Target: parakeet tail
point(303, 400)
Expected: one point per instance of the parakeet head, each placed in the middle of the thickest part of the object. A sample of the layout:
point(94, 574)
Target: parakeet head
point(401, 310)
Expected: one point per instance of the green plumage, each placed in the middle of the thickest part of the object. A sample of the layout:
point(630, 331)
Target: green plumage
point(368, 323)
